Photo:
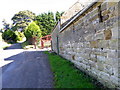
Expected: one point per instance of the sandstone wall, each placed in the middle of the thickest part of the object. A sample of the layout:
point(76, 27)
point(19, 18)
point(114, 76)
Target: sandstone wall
point(54, 37)
point(91, 43)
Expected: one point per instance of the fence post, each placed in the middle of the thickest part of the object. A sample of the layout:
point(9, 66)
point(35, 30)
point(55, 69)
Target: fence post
point(57, 45)
point(42, 44)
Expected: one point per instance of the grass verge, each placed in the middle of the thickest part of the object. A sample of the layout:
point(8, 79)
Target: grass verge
point(25, 45)
point(5, 47)
point(66, 75)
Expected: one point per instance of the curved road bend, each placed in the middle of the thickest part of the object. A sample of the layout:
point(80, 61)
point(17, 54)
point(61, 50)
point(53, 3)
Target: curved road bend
point(29, 69)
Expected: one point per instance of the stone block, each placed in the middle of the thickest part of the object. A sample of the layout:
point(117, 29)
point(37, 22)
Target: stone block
point(112, 54)
point(101, 58)
point(114, 80)
point(103, 43)
point(96, 21)
point(100, 66)
point(81, 44)
point(111, 4)
point(110, 61)
point(99, 35)
point(114, 33)
point(111, 23)
point(93, 57)
point(85, 56)
point(105, 12)
point(118, 53)
point(113, 44)
point(113, 12)
point(104, 6)
point(96, 51)
point(95, 70)
point(99, 27)
point(106, 17)
point(118, 44)
point(108, 69)
point(89, 37)
point(92, 63)
point(93, 12)
point(104, 76)
point(116, 72)
point(88, 50)
point(107, 34)
point(88, 69)
point(94, 17)
point(79, 59)
point(94, 44)
point(80, 65)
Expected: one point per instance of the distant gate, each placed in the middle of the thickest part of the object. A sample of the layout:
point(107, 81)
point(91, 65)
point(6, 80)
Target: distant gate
point(45, 41)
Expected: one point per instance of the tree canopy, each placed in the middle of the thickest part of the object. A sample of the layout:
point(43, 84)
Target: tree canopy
point(46, 21)
point(9, 36)
point(31, 25)
point(6, 25)
point(32, 30)
point(22, 19)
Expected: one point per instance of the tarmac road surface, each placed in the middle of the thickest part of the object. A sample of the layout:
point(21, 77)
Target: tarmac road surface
point(28, 69)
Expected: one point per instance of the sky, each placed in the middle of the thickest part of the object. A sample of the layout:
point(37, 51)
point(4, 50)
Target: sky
point(10, 7)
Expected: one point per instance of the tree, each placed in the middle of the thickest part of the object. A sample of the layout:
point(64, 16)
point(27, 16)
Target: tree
point(22, 19)
point(58, 15)
point(9, 36)
point(32, 31)
point(6, 25)
point(47, 21)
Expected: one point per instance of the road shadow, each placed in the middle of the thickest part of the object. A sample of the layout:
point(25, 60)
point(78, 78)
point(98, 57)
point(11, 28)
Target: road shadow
point(14, 58)
point(14, 46)
point(29, 69)
point(18, 59)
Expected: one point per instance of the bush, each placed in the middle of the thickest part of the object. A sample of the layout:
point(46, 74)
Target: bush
point(9, 36)
point(31, 32)
point(20, 35)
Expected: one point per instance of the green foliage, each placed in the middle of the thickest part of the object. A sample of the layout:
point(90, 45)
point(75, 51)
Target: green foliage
point(20, 35)
point(58, 15)
point(24, 44)
point(22, 19)
point(32, 31)
point(46, 22)
point(9, 36)
point(6, 25)
point(67, 76)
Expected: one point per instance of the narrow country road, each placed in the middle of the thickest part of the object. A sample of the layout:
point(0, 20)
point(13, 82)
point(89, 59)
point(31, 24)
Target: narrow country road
point(28, 69)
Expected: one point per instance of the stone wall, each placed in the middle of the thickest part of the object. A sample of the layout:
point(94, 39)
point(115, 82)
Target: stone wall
point(91, 42)
point(54, 37)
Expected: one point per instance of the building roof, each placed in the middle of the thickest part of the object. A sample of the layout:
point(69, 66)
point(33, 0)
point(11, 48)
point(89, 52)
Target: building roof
point(74, 9)
point(70, 20)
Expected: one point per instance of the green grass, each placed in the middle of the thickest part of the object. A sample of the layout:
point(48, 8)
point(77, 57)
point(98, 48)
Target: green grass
point(5, 47)
point(66, 75)
point(25, 45)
